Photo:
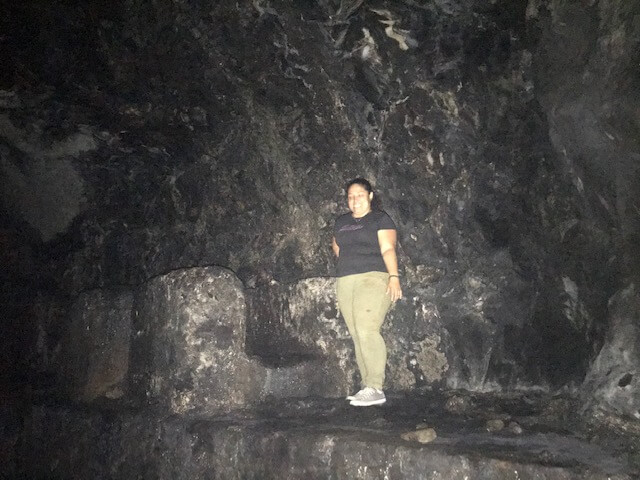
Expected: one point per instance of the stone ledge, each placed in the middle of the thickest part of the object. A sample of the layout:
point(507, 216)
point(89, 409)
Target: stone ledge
point(304, 438)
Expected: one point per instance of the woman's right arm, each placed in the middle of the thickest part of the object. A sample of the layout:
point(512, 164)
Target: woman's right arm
point(336, 248)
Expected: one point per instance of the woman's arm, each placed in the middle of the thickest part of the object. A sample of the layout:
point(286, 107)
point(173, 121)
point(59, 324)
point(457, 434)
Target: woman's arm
point(387, 240)
point(336, 248)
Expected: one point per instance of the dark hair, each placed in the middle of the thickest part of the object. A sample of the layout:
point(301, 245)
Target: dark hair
point(376, 204)
point(360, 181)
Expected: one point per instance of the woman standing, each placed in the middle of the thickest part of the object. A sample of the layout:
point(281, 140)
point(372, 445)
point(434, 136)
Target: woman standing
point(368, 283)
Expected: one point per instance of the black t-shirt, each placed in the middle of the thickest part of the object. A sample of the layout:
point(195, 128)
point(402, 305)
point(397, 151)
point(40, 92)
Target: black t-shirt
point(358, 242)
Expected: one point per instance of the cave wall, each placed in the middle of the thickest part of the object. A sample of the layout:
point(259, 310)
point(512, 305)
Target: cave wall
point(586, 65)
point(146, 137)
point(587, 82)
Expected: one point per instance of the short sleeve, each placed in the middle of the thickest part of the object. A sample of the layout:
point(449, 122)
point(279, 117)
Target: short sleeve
point(385, 222)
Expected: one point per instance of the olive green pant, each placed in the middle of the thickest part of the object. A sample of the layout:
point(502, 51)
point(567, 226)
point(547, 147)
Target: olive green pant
point(363, 302)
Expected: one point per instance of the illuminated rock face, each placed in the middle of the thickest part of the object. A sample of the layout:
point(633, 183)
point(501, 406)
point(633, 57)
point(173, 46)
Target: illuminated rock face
point(140, 144)
point(187, 342)
point(222, 135)
point(188, 352)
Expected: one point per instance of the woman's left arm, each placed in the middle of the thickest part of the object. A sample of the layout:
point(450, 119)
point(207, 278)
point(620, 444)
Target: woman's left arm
point(387, 240)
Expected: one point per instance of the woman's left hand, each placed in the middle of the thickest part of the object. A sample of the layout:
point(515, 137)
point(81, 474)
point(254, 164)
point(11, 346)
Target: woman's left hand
point(393, 289)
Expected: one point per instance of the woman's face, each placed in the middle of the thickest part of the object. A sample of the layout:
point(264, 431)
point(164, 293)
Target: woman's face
point(359, 200)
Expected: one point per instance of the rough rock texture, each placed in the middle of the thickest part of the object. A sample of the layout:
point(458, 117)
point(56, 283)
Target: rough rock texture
point(588, 86)
point(299, 323)
point(188, 340)
point(47, 191)
point(613, 382)
point(143, 141)
point(188, 349)
point(315, 439)
point(94, 351)
point(586, 80)
point(222, 133)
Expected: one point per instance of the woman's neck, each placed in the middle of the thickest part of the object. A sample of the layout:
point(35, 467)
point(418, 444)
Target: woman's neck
point(363, 215)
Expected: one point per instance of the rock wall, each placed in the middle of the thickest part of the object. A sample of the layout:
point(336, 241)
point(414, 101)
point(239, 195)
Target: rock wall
point(177, 344)
point(611, 385)
point(583, 68)
point(93, 353)
point(590, 95)
point(500, 136)
point(195, 341)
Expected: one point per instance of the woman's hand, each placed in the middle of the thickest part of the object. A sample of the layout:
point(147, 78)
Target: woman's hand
point(393, 289)
point(336, 248)
point(387, 240)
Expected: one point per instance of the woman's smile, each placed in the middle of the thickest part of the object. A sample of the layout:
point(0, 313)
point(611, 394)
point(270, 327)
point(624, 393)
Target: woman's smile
point(359, 200)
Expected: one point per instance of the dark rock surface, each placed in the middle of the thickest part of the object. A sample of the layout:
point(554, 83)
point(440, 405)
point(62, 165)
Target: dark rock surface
point(188, 350)
point(199, 134)
point(588, 86)
point(298, 324)
point(612, 383)
point(94, 351)
point(314, 438)
point(187, 342)
point(169, 176)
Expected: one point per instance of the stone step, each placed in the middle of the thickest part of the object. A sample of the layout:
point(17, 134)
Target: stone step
point(304, 438)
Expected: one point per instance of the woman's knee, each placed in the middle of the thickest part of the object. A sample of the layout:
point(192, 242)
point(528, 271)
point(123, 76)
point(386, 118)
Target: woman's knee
point(368, 322)
point(368, 336)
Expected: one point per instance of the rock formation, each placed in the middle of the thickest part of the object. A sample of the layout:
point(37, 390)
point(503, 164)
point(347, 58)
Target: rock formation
point(170, 175)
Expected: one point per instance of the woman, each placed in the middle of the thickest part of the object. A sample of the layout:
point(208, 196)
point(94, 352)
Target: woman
point(368, 283)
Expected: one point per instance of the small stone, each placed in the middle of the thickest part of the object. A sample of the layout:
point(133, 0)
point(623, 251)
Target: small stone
point(557, 407)
point(457, 404)
point(423, 435)
point(379, 423)
point(421, 426)
point(494, 425)
point(514, 427)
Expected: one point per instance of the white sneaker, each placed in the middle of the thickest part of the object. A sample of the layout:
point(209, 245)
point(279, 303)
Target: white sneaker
point(367, 397)
point(355, 395)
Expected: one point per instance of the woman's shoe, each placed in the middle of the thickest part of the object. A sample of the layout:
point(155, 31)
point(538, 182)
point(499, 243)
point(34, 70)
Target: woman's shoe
point(353, 397)
point(367, 397)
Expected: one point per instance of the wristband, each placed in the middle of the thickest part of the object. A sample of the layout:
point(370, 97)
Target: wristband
point(397, 276)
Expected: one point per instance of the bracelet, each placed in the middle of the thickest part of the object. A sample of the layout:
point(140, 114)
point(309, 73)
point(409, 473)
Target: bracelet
point(397, 276)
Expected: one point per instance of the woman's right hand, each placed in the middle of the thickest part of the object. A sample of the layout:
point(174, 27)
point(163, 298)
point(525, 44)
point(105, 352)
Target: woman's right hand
point(336, 248)
point(394, 290)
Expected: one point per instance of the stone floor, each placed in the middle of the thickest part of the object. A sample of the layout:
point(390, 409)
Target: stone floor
point(523, 436)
